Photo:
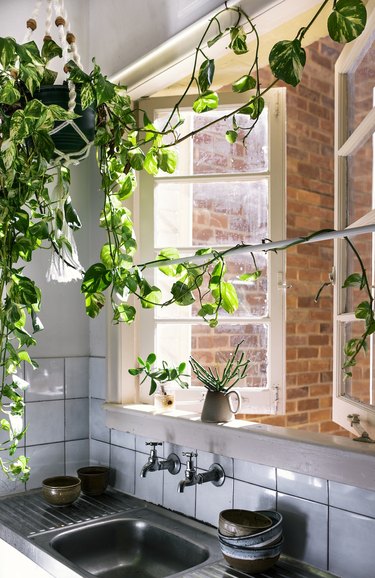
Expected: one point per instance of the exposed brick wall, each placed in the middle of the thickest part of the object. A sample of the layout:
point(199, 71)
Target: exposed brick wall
point(310, 206)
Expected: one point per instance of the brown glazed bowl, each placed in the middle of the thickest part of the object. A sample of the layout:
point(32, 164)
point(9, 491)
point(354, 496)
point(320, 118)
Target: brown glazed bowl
point(234, 522)
point(61, 490)
point(94, 479)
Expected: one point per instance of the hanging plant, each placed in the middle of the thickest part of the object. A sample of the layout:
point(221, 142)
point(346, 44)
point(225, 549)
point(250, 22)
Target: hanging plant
point(36, 208)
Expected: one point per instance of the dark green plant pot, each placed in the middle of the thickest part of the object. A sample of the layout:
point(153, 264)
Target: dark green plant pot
point(68, 140)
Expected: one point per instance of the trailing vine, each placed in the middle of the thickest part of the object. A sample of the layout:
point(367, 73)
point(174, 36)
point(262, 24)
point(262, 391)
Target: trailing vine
point(32, 219)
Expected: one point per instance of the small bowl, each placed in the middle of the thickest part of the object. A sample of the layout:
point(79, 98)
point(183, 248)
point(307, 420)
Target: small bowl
point(261, 539)
point(61, 490)
point(94, 479)
point(235, 522)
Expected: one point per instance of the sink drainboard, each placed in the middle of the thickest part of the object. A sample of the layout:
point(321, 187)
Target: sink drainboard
point(284, 569)
point(29, 515)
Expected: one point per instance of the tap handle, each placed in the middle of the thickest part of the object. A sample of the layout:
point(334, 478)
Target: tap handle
point(154, 444)
point(190, 460)
point(190, 454)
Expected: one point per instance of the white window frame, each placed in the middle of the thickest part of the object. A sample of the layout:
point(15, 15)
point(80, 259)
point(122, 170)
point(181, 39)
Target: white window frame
point(343, 406)
point(269, 400)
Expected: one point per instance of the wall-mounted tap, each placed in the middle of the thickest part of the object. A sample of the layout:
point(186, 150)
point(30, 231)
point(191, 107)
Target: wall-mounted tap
point(215, 474)
point(172, 463)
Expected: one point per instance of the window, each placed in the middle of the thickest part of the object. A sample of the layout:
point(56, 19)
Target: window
point(221, 195)
point(355, 196)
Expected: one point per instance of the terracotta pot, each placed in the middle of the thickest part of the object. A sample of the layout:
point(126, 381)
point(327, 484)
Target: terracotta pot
point(218, 407)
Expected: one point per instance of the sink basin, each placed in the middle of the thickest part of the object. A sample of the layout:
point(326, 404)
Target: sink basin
point(129, 548)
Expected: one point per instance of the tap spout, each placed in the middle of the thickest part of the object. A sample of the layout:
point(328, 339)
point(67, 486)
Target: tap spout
point(172, 464)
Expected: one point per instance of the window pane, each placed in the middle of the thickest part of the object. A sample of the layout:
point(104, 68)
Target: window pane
point(364, 246)
point(212, 348)
point(253, 299)
point(360, 89)
point(360, 181)
point(359, 386)
point(210, 152)
point(210, 214)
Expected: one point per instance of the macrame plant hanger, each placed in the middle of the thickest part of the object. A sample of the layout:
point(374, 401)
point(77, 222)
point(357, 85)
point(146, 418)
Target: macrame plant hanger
point(64, 263)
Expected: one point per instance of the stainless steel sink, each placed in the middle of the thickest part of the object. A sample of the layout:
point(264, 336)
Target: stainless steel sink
point(132, 547)
point(145, 542)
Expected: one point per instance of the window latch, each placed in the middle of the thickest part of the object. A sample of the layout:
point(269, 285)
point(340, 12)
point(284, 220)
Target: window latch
point(355, 423)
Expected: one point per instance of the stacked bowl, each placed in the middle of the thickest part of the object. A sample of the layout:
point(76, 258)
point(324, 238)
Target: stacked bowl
point(250, 541)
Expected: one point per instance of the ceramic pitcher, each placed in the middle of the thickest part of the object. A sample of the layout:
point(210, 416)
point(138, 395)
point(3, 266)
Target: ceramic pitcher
point(219, 407)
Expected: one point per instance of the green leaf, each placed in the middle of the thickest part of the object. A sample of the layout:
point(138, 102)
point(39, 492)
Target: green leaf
point(7, 51)
point(167, 160)
point(9, 94)
point(44, 144)
point(21, 221)
point(107, 255)
point(124, 313)
point(150, 295)
point(94, 303)
point(207, 309)
point(182, 294)
point(347, 20)
point(127, 185)
point(238, 40)
point(244, 83)
point(231, 136)
point(169, 253)
point(207, 101)
point(151, 162)
point(151, 358)
point(354, 280)
point(206, 74)
point(229, 297)
point(96, 279)
point(214, 40)
point(135, 370)
point(136, 158)
point(287, 60)
point(50, 50)
point(254, 108)
point(87, 95)
point(363, 310)
point(71, 215)
point(250, 276)
point(104, 90)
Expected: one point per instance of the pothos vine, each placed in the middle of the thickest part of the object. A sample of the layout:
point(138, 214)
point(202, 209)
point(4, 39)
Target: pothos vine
point(31, 221)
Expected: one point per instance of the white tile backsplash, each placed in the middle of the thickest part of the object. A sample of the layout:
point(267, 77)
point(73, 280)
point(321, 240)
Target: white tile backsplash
point(212, 499)
point(77, 377)
point(149, 488)
point(46, 460)
point(77, 455)
point(98, 429)
point(352, 499)
point(98, 377)
point(308, 487)
point(123, 465)
point(99, 453)
point(46, 381)
point(251, 497)
point(305, 525)
point(77, 418)
point(255, 474)
point(46, 422)
point(351, 544)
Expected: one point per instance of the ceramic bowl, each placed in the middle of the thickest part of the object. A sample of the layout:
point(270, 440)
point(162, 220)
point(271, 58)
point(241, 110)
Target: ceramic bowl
point(94, 479)
point(235, 522)
point(61, 490)
point(260, 539)
point(252, 560)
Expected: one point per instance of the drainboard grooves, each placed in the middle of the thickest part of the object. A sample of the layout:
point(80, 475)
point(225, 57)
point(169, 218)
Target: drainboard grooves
point(284, 570)
point(29, 514)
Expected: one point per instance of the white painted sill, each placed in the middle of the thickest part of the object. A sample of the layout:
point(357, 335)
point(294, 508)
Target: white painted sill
point(328, 457)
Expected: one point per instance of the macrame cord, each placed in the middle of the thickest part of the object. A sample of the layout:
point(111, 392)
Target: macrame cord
point(64, 265)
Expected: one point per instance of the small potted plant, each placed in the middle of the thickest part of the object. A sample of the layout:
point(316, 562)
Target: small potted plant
point(159, 378)
point(217, 405)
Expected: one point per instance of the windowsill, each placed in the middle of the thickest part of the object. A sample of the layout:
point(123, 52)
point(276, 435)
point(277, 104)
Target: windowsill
point(330, 457)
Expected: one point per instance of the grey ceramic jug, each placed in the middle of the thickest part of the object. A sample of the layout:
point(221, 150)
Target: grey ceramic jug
point(218, 406)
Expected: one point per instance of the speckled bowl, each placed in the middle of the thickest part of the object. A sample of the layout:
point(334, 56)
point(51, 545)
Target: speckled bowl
point(252, 560)
point(61, 490)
